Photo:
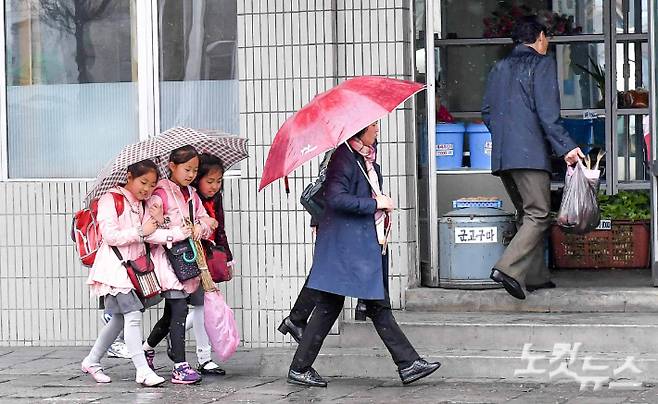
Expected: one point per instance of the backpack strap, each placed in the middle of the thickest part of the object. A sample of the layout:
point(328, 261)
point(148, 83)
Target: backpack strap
point(118, 203)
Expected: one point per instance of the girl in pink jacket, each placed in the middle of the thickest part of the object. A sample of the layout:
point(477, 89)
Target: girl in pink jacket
point(172, 197)
point(108, 277)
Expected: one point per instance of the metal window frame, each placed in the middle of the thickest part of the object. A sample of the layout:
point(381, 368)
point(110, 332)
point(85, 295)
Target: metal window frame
point(4, 141)
point(653, 178)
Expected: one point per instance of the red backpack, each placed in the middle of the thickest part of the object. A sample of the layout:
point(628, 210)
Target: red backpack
point(85, 232)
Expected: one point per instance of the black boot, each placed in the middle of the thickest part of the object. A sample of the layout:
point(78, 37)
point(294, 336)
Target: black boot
point(308, 378)
point(360, 311)
point(288, 327)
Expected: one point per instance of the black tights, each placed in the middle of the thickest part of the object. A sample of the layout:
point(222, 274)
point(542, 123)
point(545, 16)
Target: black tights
point(172, 322)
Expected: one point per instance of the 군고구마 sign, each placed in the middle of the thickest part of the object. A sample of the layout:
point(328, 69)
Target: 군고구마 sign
point(476, 235)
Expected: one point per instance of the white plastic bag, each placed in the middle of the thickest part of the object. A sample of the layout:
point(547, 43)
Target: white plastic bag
point(579, 210)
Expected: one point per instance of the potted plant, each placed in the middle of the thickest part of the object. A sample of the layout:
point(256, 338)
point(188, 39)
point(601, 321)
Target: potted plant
point(621, 241)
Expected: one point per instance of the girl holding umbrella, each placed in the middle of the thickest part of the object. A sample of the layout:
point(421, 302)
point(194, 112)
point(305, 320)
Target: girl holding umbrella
point(350, 259)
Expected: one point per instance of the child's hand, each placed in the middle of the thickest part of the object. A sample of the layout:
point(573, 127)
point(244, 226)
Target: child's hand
point(197, 230)
point(210, 222)
point(187, 230)
point(156, 212)
point(149, 227)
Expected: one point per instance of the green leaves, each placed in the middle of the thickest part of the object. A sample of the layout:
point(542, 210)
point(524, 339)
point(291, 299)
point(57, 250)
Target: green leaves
point(626, 205)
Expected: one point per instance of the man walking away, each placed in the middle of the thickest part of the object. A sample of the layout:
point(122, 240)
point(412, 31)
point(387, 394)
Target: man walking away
point(521, 108)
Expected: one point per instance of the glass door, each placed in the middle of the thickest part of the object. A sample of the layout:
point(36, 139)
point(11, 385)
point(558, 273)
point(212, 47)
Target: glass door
point(603, 57)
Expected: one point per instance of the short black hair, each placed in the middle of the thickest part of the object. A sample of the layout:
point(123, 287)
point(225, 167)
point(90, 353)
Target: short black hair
point(183, 154)
point(143, 167)
point(527, 29)
point(207, 163)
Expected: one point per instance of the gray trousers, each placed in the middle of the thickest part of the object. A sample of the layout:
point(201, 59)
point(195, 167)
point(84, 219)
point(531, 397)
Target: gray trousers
point(523, 259)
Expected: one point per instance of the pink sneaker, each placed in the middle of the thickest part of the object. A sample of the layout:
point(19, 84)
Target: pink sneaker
point(150, 355)
point(96, 373)
point(184, 374)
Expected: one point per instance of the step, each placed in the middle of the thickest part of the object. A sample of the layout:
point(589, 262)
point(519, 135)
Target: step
point(467, 364)
point(559, 300)
point(597, 332)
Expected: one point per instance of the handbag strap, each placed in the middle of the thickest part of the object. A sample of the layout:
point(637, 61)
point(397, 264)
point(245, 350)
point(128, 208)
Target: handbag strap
point(147, 246)
point(356, 157)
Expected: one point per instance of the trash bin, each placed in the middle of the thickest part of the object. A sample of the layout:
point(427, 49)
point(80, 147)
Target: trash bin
point(479, 144)
point(449, 145)
point(471, 240)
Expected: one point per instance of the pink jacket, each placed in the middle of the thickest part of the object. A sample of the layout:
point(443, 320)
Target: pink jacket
point(173, 231)
point(107, 275)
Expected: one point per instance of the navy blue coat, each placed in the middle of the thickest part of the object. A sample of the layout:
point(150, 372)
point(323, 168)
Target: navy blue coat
point(347, 260)
point(521, 108)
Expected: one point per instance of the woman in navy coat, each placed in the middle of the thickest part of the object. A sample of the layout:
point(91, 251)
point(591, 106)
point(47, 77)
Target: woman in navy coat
point(348, 261)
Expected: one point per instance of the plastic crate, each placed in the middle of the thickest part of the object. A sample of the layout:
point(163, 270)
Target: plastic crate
point(467, 203)
point(625, 245)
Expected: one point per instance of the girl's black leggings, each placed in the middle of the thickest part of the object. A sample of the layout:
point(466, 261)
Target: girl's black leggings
point(172, 322)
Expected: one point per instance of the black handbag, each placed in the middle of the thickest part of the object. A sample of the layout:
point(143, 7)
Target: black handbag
point(182, 256)
point(312, 199)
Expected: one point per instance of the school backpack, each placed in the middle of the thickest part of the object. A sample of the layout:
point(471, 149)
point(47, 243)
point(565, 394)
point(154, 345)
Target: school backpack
point(85, 232)
point(311, 198)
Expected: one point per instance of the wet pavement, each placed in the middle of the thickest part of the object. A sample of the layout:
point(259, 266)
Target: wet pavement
point(51, 374)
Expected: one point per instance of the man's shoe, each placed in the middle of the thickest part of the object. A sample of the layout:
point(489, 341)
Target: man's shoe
point(210, 368)
point(419, 369)
point(170, 352)
point(545, 285)
point(511, 285)
point(287, 326)
point(308, 378)
point(360, 311)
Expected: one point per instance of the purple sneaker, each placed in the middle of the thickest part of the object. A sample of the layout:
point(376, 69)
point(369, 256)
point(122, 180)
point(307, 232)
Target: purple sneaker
point(184, 374)
point(150, 355)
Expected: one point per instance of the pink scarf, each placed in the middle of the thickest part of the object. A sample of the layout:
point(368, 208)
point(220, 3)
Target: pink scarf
point(370, 155)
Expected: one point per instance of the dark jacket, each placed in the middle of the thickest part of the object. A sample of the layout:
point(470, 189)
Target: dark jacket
point(347, 260)
point(521, 108)
point(215, 209)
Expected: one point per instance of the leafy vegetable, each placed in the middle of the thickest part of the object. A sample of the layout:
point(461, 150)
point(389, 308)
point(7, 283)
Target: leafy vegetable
point(626, 205)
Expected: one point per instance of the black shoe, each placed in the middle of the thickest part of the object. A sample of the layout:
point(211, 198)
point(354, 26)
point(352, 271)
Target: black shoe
point(216, 371)
point(360, 311)
point(170, 352)
point(308, 378)
point(511, 285)
point(545, 285)
point(419, 369)
point(287, 326)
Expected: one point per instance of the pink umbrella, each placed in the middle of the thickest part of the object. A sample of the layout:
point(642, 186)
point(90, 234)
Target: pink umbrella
point(330, 119)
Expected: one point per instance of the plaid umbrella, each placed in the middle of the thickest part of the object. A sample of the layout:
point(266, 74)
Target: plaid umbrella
point(230, 149)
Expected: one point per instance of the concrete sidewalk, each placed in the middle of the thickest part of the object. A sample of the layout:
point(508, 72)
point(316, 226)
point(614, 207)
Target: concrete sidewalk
point(47, 374)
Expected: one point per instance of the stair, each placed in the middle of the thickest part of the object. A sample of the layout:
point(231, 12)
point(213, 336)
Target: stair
point(490, 345)
point(560, 300)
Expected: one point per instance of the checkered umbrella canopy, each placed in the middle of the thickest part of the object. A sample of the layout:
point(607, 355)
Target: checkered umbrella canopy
point(230, 149)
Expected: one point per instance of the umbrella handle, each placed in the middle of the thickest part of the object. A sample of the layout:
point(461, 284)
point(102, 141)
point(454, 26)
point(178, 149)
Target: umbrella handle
point(194, 253)
point(286, 185)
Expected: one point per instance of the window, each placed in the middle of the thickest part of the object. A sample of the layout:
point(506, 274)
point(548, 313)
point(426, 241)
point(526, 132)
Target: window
point(198, 74)
point(74, 98)
point(71, 85)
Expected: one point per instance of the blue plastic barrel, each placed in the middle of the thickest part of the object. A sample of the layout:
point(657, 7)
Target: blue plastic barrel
point(479, 143)
point(449, 145)
point(587, 133)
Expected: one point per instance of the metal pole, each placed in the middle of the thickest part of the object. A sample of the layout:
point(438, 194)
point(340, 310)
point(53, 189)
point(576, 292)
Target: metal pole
point(4, 153)
point(431, 138)
point(654, 141)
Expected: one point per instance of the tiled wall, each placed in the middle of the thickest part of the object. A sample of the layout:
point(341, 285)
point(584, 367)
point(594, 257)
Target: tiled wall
point(289, 51)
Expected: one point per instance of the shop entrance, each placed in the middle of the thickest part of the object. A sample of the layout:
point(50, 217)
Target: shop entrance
point(604, 51)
